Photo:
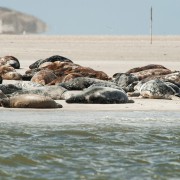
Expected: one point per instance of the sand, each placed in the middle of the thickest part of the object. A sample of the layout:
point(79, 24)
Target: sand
point(110, 54)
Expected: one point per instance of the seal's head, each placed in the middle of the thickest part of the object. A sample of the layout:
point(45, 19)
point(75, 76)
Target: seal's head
point(5, 102)
point(76, 99)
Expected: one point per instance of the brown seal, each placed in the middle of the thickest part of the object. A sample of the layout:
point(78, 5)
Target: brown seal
point(29, 101)
point(65, 78)
point(151, 72)
point(149, 66)
point(57, 65)
point(10, 60)
point(43, 77)
point(6, 68)
point(12, 76)
point(9, 73)
point(61, 69)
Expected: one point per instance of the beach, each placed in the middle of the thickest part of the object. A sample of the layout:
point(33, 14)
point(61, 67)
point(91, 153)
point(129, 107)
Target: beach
point(110, 54)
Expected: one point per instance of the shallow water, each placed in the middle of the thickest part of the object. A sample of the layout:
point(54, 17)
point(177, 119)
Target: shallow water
point(55, 144)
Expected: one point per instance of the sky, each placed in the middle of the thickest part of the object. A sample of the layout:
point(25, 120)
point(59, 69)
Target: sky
point(102, 17)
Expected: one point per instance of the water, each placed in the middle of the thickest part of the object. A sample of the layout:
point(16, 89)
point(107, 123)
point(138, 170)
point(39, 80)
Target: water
point(55, 144)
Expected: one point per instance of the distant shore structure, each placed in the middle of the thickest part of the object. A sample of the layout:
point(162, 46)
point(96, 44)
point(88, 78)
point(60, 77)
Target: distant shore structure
point(14, 22)
point(151, 22)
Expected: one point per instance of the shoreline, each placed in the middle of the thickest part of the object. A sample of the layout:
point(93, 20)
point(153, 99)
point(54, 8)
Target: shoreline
point(110, 54)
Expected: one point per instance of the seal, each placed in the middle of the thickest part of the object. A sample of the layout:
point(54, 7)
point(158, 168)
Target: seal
point(149, 66)
point(54, 92)
point(89, 72)
point(170, 81)
point(10, 60)
point(111, 85)
point(29, 74)
point(9, 88)
point(9, 73)
point(12, 76)
point(65, 78)
point(173, 78)
point(174, 86)
point(54, 58)
point(99, 95)
point(156, 89)
point(2, 95)
point(43, 77)
point(29, 101)
point(27, 85)
point(81, 83)
point(124, 80)
point(1, 80)
point(57, 65)
point(6, 68)
point(151, 72)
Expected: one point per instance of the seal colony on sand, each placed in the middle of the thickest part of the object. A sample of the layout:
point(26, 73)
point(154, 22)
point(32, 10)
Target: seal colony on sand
point(55, 77)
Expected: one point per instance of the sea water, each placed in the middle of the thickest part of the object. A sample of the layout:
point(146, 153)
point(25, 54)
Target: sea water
point(101, 145)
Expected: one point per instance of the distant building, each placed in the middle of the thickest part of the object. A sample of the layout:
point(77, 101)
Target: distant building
point(14, 22)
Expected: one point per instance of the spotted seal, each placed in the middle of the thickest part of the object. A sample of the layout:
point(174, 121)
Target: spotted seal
point(173, 78)
point(54, 92)
point(124, 80)
point(81, 83)
point(99, 95)
point(156, 89)
point(27, 85)
point(29, 101)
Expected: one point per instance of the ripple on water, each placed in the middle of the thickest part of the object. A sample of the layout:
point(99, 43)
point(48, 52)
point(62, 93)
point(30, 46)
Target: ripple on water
point(98, 145)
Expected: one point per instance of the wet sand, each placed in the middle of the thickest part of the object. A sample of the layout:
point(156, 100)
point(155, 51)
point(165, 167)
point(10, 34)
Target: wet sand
point(110, 54)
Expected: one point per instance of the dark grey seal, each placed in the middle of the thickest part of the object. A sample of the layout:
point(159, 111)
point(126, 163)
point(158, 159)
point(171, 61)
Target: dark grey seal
point(173, 78)
point(124, 80)
point(99, 95)
point(9, 88)
point(1, 80)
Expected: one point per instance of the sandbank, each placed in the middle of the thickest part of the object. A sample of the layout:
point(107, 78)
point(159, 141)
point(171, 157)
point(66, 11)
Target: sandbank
point(110, 54)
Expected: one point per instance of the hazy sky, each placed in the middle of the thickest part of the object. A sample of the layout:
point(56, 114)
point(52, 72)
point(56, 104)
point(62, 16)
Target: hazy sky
point(121, 17)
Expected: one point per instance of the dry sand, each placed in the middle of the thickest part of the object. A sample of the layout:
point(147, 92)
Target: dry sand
point(110, 54)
